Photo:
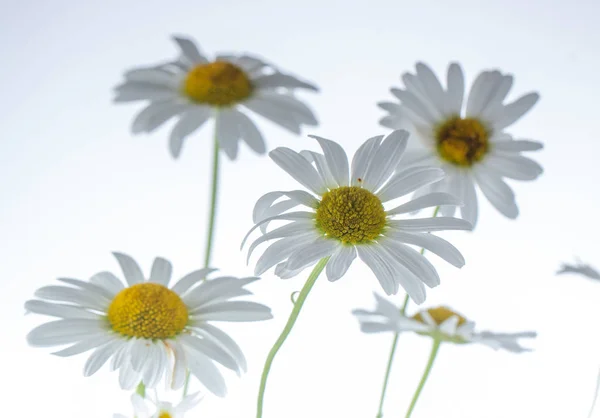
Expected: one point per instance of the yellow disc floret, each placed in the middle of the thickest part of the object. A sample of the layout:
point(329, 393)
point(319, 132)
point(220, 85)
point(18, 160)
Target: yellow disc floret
point(164, 414)
point(218, 84)
point(351, 214)
point(148, 310)
point(440, 314)
point(462, 141)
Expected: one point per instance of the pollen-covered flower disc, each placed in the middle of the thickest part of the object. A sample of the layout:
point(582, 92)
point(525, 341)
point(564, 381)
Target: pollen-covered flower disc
point(147, 328)
point(194, 89)
point(439, 322)
point(345, 215)
point(468, 140)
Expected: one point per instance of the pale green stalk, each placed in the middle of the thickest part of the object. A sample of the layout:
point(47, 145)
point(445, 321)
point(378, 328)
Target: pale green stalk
point(211, 224)
point(394, 345)
point(286, 331)
point(434, 350)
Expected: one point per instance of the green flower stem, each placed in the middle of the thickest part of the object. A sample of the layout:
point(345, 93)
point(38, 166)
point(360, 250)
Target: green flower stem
point(286, 331)
point(141, 390)
point(434, 350)
point(394, 344)
point(211, 224)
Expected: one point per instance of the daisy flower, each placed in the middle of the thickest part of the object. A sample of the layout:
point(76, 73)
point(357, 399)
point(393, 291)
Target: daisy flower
point(465, 137)
point(194, 89)
point(344, 216)
point(440, 323)
point(147, 328)
point(141, 409)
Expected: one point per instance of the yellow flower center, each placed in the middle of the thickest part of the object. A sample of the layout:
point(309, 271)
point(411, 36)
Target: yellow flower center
point(164, 414)
point(217, 83)
point(440, 314)
point(351, 214)
point(462, 141)
point(148, 310)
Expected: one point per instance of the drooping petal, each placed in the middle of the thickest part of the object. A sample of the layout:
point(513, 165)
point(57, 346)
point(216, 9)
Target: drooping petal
point(340, 261)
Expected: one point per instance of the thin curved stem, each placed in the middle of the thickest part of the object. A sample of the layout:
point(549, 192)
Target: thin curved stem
point(595, 396)
point(395, 344)
point(286, 331)
point(434, 351)
point(211, 224)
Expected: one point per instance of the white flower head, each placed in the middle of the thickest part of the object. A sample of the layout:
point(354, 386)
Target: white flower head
point(465, 137)
point(147, 328)
point(195, 89)
point(153, 408)
point(440, 322)
point(344, 216)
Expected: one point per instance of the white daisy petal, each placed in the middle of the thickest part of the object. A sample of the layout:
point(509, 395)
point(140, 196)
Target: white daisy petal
point(161, 271)
point(179, 372)
point(188, 123)
point(152, 75)
point(300, 169)
point(58, 310)
point(88, 344)
point(517, 145)
point(99, 357)
point(207, 373)
point(190, 51)
point(373, 260)
point(362, 159)
point(514, 166)
point(156, 114)
point(336, 158)
point(134, 91)
point(408, 181)
point(233, 311)
point(64, 331)
point(431, 224)
point(108, 281)
point(482, 84)
point(131, 270)
point(385, 160)
point(226, 342)
point(456, 87)
point(191, 279)
point(469, 210)
point(415, 262)
point(228, 133)
point(274, 113)
point(402, 275)
point(414, 104)
point(290, 229)
point(498, 193)
point(212, 351)
point(436, 245)
point(427, 201)
point(249, 132)
point(322, 167)
point(289, 104)
point(290, 216)
point(276, 80)
point(320, 248)
point(513, 111)
point(376, 327)
point(128, 378)
point(68, 294)
point(340, 261)
point(432, 86)
point(448, 327)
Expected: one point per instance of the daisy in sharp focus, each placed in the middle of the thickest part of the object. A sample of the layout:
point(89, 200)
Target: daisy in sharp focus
point(344, 216)
point(194, 89)
point(147, 328)
point(440, 323)
point(142, 409)
point(467, 137)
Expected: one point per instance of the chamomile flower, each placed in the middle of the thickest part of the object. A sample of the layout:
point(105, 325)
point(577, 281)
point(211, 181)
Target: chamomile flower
point(345, 216)
point(194, 89)
point(466, 138)
point(440, 323)
point(147, 328)
point(158, 409)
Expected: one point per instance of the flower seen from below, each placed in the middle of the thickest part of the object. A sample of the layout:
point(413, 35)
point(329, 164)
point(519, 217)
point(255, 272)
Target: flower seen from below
point(147, 328)
point(345, 215)
point(194, 89)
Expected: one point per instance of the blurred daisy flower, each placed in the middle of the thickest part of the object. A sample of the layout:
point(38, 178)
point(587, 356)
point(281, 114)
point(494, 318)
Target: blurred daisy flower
point(465, 137)
point(157, 409)
point(345, 216)
point(194, 89)
point(579, 268)
point(147, 328)
point(440, 323)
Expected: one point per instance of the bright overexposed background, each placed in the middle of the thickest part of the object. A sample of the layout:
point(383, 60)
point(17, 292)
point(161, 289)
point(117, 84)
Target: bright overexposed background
point(75, 185)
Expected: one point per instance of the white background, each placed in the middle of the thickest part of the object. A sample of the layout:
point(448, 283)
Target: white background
point(75, 185)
